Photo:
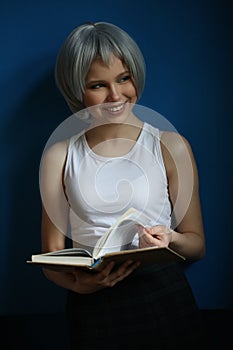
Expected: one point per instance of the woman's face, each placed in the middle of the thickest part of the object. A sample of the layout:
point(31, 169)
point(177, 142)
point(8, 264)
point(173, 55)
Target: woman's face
point(110, 86)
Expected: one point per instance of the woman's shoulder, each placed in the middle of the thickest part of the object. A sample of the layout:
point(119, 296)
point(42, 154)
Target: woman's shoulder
point(174, 143)
point(57, 149)
point(54, 156)
point(176, 151)
point(60, 148)
point(169, 140)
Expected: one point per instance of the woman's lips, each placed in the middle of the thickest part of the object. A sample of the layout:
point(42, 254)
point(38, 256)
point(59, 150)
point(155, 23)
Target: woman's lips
point(115, 109)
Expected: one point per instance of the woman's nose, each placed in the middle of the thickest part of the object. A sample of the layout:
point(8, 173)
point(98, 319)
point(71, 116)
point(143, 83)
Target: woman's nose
point(114, 93)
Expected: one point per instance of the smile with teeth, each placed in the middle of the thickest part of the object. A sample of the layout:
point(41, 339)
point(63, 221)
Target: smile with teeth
point(116, 108)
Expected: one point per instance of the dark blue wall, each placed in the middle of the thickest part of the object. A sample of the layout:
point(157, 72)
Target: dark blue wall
point(188, 51)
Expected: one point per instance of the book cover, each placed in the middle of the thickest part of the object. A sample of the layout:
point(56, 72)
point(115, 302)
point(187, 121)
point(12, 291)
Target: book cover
point(110, 247)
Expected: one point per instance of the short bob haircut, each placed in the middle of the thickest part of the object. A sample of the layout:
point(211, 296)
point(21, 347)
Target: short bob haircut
point(86, 43)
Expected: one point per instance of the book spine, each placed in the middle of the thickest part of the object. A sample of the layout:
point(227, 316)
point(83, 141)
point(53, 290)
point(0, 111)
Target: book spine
point(96, 263)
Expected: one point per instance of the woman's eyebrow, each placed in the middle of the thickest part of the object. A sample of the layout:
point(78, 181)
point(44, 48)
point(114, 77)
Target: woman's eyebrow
point(94, 81)
point(124, 72)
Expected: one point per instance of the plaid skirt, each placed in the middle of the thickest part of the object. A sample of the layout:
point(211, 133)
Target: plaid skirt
point(153, 307)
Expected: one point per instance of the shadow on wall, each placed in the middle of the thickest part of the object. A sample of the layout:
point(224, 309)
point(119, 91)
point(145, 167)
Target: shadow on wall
point(31, 124)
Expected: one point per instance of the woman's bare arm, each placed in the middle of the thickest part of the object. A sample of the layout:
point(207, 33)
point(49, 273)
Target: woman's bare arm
point(187, 234)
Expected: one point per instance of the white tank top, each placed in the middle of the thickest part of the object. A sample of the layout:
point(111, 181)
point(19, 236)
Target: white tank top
point(100, 189)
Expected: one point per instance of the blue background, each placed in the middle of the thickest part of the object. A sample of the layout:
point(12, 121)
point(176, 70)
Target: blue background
point(188, 50)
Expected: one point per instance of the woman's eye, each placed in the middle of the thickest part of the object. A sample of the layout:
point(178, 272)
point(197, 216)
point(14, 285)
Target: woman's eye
point(96, 86)
point(125, 78)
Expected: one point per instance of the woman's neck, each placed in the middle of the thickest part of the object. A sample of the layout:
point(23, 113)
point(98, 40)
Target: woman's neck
point(106, 131)
point(113, 139)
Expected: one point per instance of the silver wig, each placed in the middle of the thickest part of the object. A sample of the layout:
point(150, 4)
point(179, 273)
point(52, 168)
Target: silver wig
point(86, 43)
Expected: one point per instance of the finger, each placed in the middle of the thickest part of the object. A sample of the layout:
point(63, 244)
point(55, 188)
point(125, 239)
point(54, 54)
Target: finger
point(140, 229)
point(147, 238)
point(160, 230)
point(122, 274)
point(107, 269)
point(143, 243)
point(131, 268)
point(124, 266)
point(121, 270)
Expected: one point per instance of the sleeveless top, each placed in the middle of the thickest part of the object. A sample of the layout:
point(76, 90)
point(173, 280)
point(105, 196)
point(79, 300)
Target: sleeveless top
point(99, 189)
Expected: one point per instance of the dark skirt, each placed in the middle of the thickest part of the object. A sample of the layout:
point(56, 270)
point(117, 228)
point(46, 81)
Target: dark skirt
point(152, 307)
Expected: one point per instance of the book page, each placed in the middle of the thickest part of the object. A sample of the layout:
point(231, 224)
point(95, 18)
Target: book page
point(121, 233)
point(68, 256)
point(62, 260)
point(70, 252)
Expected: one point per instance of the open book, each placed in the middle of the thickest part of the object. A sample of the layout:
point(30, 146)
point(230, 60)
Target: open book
point(114, 245)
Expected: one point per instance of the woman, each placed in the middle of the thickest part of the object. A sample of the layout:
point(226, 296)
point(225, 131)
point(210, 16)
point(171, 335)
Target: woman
point(101, 70)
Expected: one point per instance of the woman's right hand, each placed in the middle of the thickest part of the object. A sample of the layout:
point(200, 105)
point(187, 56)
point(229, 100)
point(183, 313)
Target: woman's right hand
point(86, 282)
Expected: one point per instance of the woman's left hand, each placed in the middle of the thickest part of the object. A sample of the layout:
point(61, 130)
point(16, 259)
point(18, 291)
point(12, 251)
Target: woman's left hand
point(159, 236)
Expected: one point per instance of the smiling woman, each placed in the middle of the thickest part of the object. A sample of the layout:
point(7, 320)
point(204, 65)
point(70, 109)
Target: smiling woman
point(92, 42)
point(111, 85)
point(88, 181)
